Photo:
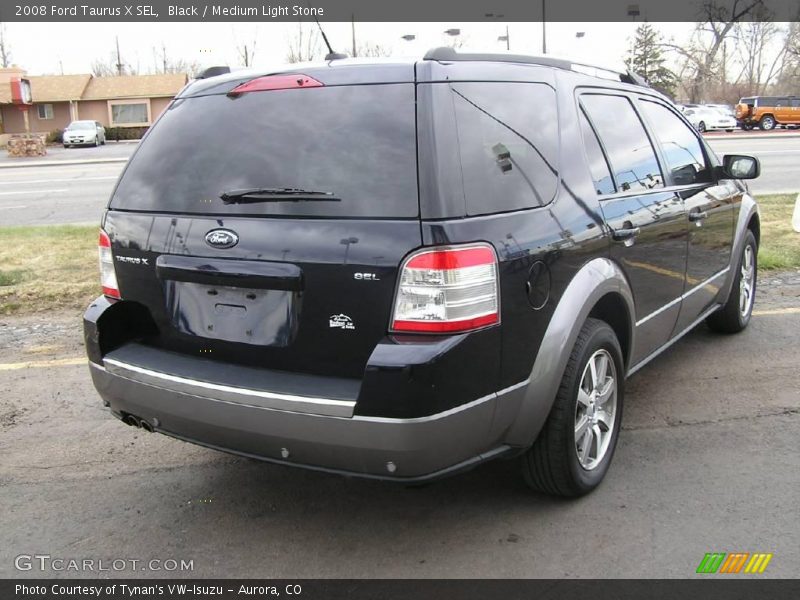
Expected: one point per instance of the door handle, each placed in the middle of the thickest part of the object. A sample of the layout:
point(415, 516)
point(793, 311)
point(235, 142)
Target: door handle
point(697, 216)
point(625, 235)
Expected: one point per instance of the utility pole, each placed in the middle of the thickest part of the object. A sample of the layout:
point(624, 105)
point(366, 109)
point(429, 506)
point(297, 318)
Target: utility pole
point(508, 39)
point(353, 26)
point(120, 66)
point(544, 27)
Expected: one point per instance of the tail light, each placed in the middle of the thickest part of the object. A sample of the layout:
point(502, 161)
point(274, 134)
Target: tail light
point(108, 278)
point(447, 290)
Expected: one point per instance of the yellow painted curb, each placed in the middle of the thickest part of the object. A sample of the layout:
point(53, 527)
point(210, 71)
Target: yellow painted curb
point(792, 310)
point(37, 364)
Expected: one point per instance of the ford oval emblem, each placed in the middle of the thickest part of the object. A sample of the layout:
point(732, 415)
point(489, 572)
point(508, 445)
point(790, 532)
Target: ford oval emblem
point(222, 238)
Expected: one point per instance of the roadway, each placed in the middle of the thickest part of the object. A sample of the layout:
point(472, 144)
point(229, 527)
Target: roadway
point(779, 154)
point(52, 190)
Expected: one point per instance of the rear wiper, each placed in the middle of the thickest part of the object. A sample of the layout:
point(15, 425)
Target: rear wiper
point(276, 195)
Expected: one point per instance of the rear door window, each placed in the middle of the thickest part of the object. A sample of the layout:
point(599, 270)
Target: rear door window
point(682, 150)
point(629, 150)
point(357, 143)
point(601, 175)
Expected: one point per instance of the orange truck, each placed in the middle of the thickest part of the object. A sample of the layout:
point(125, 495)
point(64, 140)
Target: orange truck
point(768, 112)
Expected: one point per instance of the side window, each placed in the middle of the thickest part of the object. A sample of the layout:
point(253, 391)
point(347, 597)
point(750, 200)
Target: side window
point(683, 152)
point(630, 152)
point(795, 102)
point(601, 175)
point(508, 144)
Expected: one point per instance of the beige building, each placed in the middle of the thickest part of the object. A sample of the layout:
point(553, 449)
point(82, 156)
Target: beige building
point(122, 101)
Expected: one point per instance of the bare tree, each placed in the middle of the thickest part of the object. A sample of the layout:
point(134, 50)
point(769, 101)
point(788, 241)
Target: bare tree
point(104, 67)
point(373, 49)
point(112, 65)
point(762, 63)
point(788, 81)
point(5, 50)
point(304, 45)
point(246, 50)
point(164, 64)
point(701, 56)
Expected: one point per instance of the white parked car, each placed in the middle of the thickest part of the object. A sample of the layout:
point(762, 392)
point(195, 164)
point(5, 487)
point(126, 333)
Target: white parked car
point(725, 109)
point(709, 119)
point(83, 133)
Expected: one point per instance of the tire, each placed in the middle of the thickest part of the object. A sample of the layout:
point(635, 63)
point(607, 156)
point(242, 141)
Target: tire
point(97, 141)
point(747, 126)
point(701, 127)
point(729, 130)
point(553, 465)
point(736, 312)
point(767, 123)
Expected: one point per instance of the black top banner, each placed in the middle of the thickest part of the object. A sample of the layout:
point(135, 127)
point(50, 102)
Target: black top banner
point(405, 10)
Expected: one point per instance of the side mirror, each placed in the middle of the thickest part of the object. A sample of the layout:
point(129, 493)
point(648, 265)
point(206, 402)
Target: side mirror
point(739, 166)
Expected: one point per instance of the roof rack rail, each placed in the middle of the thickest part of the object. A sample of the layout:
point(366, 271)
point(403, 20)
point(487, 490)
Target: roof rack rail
point(447, 54)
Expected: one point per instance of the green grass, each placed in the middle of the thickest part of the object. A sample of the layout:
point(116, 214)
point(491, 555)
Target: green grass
point(47, 267)
point(55, 267)
point(780, 244)
point(12, 277)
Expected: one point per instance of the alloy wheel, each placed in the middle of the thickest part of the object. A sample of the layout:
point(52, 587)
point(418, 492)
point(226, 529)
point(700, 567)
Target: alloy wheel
point(595, 412)
point(747, 281)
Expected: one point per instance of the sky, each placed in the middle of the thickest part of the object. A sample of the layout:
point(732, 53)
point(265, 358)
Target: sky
point(41, 48)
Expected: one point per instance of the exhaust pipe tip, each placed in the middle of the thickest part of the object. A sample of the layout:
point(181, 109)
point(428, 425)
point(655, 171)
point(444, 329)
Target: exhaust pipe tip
point(146, 426)
point(131, 420)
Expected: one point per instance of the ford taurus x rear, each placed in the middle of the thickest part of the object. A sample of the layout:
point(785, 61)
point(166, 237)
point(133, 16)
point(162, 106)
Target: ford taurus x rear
point(400, 270)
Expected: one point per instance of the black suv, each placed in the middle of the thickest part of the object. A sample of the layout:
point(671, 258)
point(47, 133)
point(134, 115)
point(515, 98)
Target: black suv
point(400, 270)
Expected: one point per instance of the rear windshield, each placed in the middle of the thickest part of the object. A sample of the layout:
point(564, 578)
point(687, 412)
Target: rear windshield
point(355, 143)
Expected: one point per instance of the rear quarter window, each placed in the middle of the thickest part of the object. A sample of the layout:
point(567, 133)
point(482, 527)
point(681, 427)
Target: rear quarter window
point(505, 138)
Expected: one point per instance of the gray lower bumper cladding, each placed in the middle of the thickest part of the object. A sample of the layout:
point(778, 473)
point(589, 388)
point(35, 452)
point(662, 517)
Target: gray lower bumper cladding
point(315, 433)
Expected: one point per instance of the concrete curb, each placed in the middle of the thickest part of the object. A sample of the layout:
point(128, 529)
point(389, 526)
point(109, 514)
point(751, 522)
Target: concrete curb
point(746, 136)
point(796, 215)
point(55, 163)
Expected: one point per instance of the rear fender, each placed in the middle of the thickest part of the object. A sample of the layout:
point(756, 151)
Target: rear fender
point(747, 211)
point(596, 279)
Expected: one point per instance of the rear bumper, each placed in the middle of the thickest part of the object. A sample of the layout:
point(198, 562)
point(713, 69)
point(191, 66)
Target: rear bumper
point(307, 420)
point(407, 450)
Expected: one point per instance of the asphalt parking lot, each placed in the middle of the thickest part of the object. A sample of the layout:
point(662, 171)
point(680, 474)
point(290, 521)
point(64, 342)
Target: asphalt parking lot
point(707, 462)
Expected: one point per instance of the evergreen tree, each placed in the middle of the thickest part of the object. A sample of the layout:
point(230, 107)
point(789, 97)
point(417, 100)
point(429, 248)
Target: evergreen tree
point(646, 59)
